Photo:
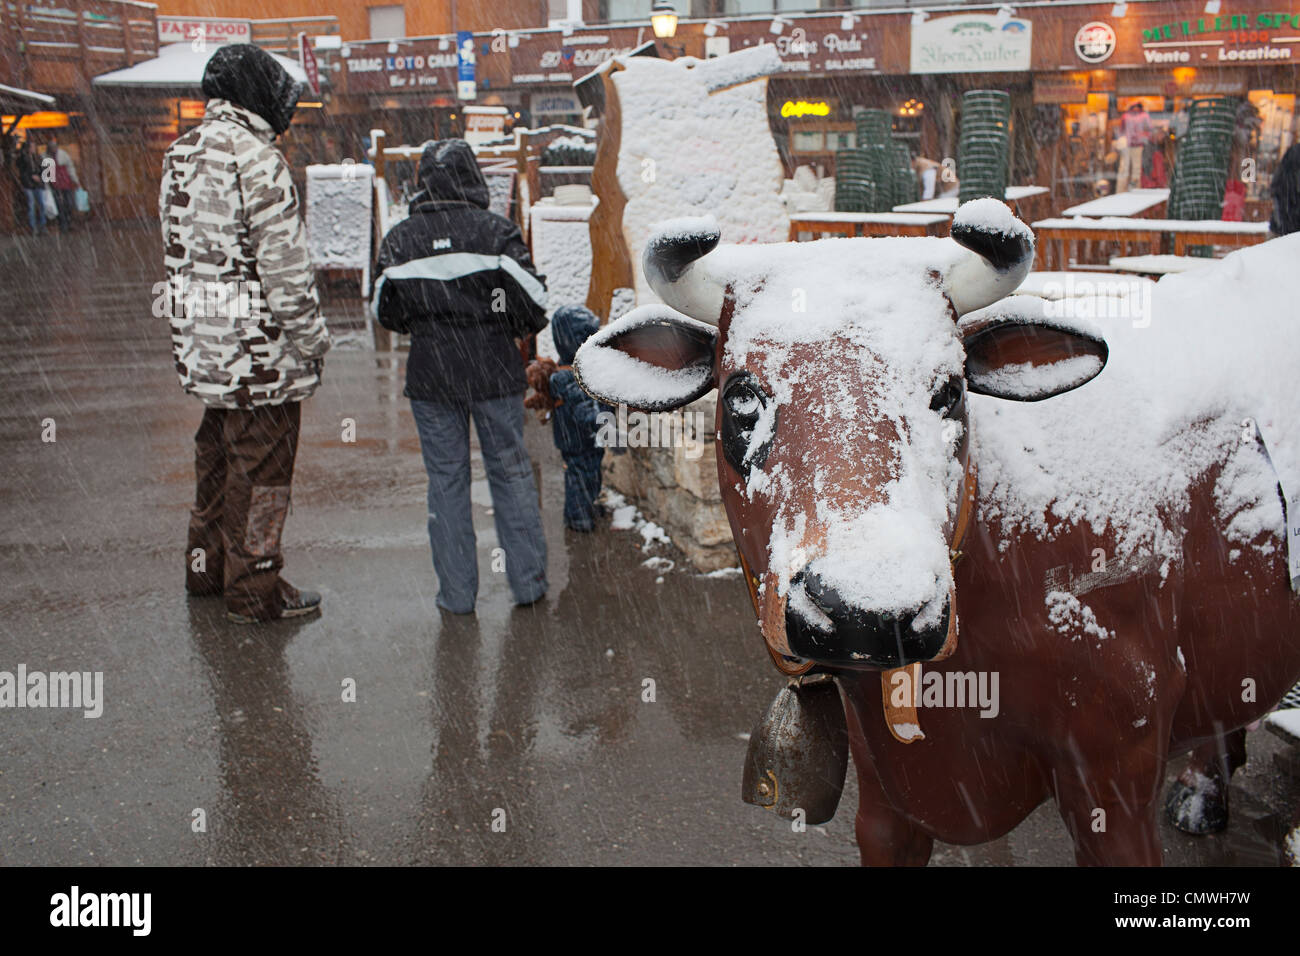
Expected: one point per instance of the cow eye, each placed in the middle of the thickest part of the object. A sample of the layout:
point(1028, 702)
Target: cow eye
point(947, 400)
point(743, 404)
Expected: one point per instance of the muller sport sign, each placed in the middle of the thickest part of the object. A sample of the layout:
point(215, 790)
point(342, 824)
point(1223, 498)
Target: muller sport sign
point(971, 43)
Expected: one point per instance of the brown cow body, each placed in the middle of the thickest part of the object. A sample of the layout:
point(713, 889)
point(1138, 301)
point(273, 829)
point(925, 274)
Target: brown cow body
point(1068, 724)
point(846, 448)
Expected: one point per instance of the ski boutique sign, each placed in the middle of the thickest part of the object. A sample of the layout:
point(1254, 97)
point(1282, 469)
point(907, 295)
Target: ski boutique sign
point(971, 43)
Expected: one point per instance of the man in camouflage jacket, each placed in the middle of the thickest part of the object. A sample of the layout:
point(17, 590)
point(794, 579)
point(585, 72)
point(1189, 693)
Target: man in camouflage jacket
point(247, 334)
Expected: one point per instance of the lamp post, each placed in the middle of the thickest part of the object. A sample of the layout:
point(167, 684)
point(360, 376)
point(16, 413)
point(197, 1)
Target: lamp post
point(663, 20)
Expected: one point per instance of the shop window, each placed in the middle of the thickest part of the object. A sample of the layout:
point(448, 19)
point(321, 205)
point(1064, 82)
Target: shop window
point(563, 11)
point(808, 141)
point(841, 139)
point(387, 23)
point(624, 9)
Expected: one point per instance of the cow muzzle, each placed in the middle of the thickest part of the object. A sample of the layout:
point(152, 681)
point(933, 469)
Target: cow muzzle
point(827, 629)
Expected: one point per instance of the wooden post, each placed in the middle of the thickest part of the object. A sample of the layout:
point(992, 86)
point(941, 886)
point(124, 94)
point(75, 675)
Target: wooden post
point(611, 262)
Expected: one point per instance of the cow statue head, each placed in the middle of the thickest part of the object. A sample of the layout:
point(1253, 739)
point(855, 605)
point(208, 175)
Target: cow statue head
point(842, 368)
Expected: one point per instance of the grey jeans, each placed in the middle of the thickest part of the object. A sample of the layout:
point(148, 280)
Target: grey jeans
point(444, 443)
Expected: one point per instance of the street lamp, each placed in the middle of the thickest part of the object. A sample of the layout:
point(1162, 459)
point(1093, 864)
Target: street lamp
point(663, 18)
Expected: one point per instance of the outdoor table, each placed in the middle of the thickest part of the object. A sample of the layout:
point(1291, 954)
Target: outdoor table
point(1057, 237)
point(1157, 265)
point(1128, 204)
point(947, 205)
point(851, 224)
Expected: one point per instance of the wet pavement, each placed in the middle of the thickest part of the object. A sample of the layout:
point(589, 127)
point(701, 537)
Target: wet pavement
point(534, 717)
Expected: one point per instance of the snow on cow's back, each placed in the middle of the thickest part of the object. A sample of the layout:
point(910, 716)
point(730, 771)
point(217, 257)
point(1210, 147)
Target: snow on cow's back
point(1219, 345)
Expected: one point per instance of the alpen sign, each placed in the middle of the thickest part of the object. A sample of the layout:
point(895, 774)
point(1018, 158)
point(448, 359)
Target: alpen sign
point(971, 43)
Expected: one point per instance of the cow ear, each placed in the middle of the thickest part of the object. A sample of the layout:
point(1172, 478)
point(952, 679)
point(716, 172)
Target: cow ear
point(653, 359)
point(1016, 351)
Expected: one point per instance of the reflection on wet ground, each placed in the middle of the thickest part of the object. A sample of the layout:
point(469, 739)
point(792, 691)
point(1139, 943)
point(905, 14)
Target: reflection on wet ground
point(530, 718)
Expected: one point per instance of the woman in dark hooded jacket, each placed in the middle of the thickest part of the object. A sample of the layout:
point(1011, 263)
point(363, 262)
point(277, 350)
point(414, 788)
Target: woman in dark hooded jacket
point(459, 280)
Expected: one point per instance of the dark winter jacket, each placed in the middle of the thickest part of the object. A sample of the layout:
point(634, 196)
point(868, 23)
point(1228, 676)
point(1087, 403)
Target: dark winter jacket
point(575, 424)
point(29, 170)
point(1286, 194)
point(460, 280)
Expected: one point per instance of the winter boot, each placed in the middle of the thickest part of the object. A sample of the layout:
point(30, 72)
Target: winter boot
point(293, 603)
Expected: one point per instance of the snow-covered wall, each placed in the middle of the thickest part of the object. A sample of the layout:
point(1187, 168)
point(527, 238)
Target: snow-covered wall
point(695, 141)
point(562, 251)
point(338, 215)
point(561, 240)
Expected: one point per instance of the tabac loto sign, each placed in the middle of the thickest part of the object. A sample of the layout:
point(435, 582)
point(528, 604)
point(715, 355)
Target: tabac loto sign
point(971, 43)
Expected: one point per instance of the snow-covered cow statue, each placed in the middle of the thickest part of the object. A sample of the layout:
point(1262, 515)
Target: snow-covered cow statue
point(893, 480)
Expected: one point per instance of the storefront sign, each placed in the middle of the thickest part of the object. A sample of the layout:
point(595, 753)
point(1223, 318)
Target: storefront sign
point(307, 60)
point(810, 46)
point(1194, 29)
point(1094, 42)
point(971, 43)
point(1062, 88)
point(1150, 39)
point(209, 29)
point(801, 108)
point(555, 104)
point(551, 57)
point(425, 65)
point(483, 123)
point(466, 88)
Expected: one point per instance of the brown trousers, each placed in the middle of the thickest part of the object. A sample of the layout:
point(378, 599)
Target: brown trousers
point(243, 463)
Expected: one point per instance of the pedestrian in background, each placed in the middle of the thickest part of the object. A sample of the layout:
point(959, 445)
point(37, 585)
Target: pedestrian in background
point(33, 187)
point(1135, 127)
point(229, 218)
point(1286, 194)
point(458, 278)
point(65, 181)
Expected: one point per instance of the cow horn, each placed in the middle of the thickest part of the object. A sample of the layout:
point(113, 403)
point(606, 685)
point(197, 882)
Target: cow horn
point(1001, 254)
point(673, 267)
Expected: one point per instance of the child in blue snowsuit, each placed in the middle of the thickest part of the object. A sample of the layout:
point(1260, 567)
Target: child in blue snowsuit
point(574, 419)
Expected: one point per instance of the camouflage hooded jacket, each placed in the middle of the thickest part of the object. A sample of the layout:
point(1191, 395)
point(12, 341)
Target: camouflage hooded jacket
point(245, 319)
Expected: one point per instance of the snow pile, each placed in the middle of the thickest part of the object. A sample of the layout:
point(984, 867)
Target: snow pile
point(338, 215)
point(1123, 453)
point(693, 142)
point(626, 517)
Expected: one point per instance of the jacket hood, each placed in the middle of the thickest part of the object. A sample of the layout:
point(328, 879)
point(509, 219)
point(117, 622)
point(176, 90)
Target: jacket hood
point(570, 327)
point(251, 78)
point(449, 172)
